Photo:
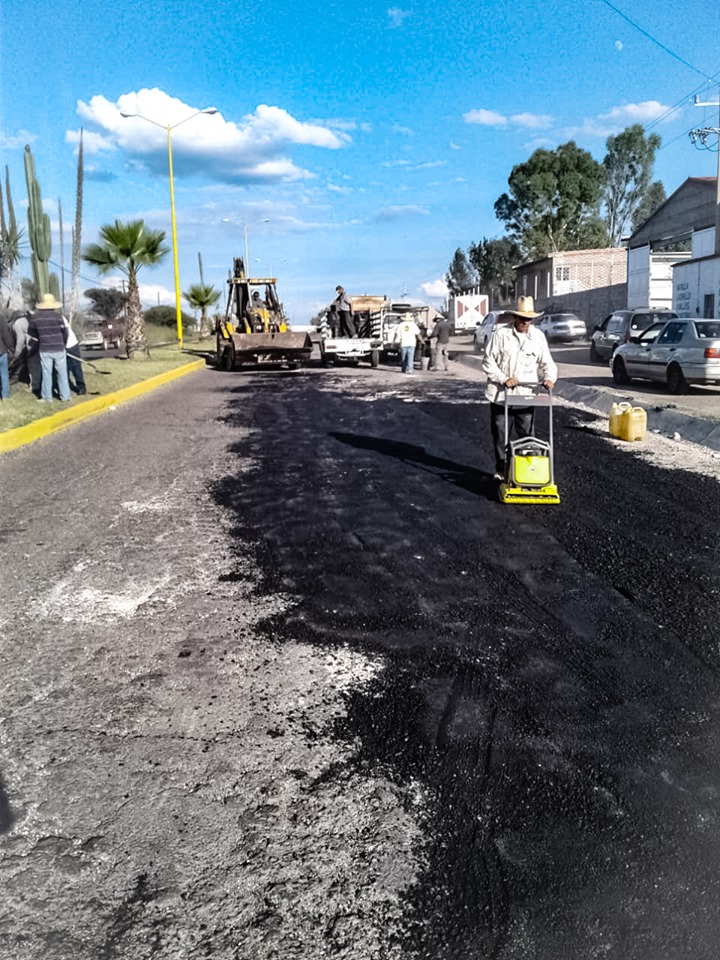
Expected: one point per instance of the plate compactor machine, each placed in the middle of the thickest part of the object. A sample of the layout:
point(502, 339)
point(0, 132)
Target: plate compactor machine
point(529, 470)
point(255, 329)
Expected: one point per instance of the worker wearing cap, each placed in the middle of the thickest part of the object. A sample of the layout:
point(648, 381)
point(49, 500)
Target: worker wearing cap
point(517, 355)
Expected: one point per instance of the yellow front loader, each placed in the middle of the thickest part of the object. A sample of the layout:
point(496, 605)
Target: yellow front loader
point(255, 329)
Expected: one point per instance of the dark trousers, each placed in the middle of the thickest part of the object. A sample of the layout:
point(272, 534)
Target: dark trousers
point(520, 423)
point(347, 327)
point(75, 370)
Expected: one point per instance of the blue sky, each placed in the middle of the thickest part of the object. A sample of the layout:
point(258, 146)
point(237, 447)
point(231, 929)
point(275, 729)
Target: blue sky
point(360, 144)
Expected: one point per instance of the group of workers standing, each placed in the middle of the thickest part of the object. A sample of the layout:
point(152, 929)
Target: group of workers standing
point(408, 334)
point(42, 349)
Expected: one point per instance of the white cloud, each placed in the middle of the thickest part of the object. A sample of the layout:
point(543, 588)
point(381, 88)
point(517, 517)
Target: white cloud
point(618, 44)
point(532, 121)
point(491, 118)
point(255, 149)
point(404, 131)
point(455, 146)
point(20, 139)
point(435, 288)
point(538, 142)
point(397, 16)
point(616, 119)
point(486, 118)
point(642, 112)
point(92, 142)
point(400, 211)
point(412, 165)
point(152, 294)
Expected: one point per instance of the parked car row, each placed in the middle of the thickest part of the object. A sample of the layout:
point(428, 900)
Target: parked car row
point(648, 344)
point(677, 352)
point(619, 326)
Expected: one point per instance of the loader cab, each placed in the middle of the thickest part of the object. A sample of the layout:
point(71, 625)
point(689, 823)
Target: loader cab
point(253, 304)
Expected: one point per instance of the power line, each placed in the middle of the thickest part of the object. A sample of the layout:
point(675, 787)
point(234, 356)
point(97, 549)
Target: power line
point(681, 102)
point(654, 39)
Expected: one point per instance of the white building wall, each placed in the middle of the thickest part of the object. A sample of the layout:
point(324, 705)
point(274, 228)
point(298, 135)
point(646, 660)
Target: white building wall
point(703, 243)
point(638, 276)
point(696, 288)
point(650, 277)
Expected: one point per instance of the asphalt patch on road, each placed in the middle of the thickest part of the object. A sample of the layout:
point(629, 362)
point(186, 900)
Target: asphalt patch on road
point(548, 672)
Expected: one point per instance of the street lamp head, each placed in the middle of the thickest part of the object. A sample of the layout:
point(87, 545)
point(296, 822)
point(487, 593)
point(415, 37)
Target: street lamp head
point(209, 111)
point(127, 115)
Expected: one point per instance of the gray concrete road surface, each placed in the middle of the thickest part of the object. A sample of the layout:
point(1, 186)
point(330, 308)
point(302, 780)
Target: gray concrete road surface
point(282, 678)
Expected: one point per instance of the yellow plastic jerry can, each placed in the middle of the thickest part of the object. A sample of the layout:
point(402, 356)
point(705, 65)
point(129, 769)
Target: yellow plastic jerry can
point(617, 412)
point(633, 424)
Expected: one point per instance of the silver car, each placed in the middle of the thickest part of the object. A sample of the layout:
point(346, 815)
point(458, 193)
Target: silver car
point(678, 352)
point(485, 329)
point(564, 327)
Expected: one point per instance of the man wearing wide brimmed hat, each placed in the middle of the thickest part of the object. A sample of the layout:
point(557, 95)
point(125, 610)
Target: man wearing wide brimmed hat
point(49, 335)
point(517, 355)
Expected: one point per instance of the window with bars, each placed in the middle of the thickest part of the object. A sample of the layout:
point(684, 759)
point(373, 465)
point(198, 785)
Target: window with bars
point(562, 273)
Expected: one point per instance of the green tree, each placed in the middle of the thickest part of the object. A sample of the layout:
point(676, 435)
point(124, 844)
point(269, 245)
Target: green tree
point(29, 292)
point(654, 197)
point(460, 275)
point(200, 296)
point(494, 261)
point(107, 302)
point(128, 246)
point(167, 317)
point(628, 167)
point(554, 202)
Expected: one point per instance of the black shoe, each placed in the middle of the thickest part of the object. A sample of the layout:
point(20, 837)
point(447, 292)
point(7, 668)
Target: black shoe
point(81, 391)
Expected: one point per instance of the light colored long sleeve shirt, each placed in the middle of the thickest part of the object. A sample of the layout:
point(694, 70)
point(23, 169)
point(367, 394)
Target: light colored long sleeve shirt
point(526, 357)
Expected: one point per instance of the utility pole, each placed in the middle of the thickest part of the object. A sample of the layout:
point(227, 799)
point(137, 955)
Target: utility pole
point(702, 134)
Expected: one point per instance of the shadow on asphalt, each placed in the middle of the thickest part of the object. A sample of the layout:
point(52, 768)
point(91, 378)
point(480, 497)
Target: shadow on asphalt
point(460, 475)
point(6, 814)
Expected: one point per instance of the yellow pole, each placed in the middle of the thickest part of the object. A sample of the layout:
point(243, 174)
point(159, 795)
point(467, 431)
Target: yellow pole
point(178, 311)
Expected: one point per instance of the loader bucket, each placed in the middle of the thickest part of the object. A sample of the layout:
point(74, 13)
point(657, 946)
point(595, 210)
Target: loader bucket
point(285, 347)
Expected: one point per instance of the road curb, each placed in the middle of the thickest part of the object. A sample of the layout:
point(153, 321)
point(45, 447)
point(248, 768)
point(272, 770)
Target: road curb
point(659, 419)
point(38, 429)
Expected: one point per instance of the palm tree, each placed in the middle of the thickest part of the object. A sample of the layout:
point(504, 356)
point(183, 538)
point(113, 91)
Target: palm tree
point(200, 296)
point(127, 247)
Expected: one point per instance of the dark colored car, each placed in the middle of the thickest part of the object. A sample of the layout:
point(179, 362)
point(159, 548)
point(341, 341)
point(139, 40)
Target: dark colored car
point(620, 326)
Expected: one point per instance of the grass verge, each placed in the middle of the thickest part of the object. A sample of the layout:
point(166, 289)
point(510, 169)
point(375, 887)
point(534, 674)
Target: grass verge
point(22, 407)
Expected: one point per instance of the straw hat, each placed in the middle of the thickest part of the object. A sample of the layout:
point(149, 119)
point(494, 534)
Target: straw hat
point(525, 308)
point(48, 302)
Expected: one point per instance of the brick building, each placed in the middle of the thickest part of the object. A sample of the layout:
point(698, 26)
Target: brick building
point(589, 283)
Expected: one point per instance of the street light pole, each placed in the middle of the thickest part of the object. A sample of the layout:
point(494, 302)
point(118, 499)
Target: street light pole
point(247, 255)
point(169, 128)
point(173, 227)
